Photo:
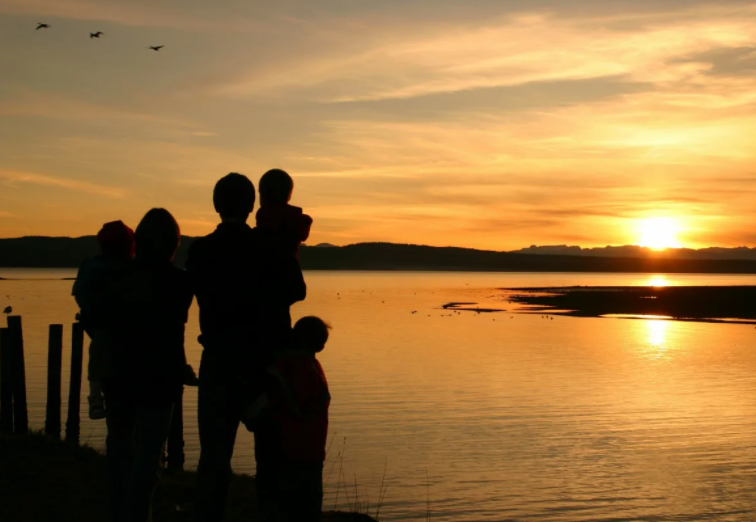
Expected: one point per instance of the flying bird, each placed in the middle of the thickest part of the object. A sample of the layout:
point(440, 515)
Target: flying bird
point(96, 35)
point(156, 47)
point(8, 310)
point(40, 25)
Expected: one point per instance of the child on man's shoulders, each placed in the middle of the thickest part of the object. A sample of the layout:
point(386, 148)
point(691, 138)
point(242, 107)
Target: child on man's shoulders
point(287, 224)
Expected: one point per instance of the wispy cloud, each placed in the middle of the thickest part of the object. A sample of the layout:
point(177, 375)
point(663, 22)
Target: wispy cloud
point(14, 178)
point(45, 105)
point(514, 50)
point(169, 13)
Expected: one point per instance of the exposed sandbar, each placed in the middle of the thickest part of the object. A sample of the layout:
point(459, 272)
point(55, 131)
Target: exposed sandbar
point(689, 303)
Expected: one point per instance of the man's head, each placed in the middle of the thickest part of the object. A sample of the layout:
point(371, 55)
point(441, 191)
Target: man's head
point(234, 197)
point(276, 187)
point(310, 334)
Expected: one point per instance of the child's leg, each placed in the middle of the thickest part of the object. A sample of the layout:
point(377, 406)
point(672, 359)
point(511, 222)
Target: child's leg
point(267, 480)
point(302, 491)
point(95, 389)
point(96, 401)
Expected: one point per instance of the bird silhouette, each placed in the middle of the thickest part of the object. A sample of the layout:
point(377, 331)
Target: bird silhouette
point(156, 47)
point(8, 310)
point(96, 35)
point(40, 25)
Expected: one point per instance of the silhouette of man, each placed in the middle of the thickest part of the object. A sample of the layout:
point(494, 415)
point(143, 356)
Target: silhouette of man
point(242, 285)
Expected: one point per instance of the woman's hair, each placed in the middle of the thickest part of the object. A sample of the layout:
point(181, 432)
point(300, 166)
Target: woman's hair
point(158, 236)
point(311, 334)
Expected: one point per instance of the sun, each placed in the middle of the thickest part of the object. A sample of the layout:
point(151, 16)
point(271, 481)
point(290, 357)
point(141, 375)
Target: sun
point(659, 233)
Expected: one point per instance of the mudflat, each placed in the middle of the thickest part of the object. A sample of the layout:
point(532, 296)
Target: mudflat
point(690, 303)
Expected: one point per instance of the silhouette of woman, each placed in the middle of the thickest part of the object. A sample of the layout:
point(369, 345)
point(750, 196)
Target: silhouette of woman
point(151, 308)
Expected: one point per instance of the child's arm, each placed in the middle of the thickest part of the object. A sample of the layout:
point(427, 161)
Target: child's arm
point(282, 281)
point(85, 293)
point(303, 227)
point(82, 287)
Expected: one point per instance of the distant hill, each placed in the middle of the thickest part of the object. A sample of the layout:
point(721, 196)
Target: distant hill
point(70, 252)
point(637, 251)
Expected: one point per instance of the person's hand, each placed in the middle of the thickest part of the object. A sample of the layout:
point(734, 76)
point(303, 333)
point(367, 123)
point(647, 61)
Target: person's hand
point(253, 415)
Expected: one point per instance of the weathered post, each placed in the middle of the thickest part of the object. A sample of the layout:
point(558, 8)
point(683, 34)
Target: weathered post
point(74, 390)
point(175, 447)
point(6, 381)
point(20, 413)
point(54, 364)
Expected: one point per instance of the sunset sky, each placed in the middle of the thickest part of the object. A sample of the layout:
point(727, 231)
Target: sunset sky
point(482, 123)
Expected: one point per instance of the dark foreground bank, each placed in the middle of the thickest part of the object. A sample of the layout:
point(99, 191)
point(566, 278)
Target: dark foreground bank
point(688, 303)
point(44, 479)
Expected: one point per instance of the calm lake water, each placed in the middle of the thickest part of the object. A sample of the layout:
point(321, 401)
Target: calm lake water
point(503, 416)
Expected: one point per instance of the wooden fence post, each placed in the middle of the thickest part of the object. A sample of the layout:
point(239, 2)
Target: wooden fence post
point(20, 413)
point(6, 381)
point(175, 447)
point(54, 363)
point(74, 390)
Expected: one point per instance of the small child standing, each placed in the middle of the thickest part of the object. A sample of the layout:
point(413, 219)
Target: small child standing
point(290, 421)
point(94, 287)
point(276, 217)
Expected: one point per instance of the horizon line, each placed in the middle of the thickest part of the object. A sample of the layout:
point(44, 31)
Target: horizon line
point(517, 250)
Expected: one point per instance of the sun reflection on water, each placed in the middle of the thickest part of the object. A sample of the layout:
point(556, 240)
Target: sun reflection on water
point(657, 332)
point(657, 338)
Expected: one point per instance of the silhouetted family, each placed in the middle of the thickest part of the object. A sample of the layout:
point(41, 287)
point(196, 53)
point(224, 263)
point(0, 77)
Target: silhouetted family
point(256, 368)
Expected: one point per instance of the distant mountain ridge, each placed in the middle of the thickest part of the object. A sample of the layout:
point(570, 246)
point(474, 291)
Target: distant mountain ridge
point(743, 252)
point(62, 252)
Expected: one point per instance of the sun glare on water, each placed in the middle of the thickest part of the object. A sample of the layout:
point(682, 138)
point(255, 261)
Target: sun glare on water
point(657, 332)
point(659, 233)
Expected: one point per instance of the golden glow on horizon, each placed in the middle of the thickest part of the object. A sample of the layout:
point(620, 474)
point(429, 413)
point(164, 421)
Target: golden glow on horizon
point(658, 281)
point(659, 233)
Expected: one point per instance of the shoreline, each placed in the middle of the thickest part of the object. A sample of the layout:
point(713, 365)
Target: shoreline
point(42, 478)
point(427, 271)
point(450, 270)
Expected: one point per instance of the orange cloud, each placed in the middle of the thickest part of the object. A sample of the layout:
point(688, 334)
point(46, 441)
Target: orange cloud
point(16, 177)
point(514, 50)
